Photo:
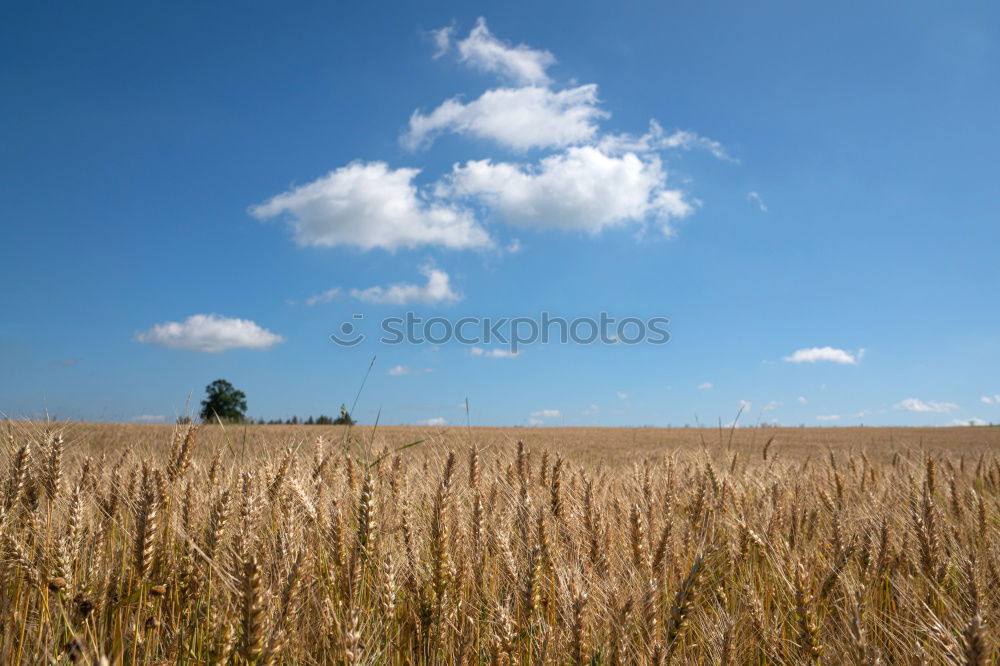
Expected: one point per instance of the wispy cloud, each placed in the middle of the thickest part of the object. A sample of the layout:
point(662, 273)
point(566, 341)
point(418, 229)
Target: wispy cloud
point(756, 198)
point(493, 353)
point(918, 405)
point(968, 422)
point(705, 386)
point(825, 354)
point(209, 333)
point(868, 412)
point(324, 296)
point(829, 417)
point(622, 395)
point(591, 410)
point(442, 40)
point(655, 139)
point(547, 414)
point(990, 400)
point(437, 291)
point(149, 418)
point(518, 63)
point(802, 400)
point(400, 370)
point(436, 421)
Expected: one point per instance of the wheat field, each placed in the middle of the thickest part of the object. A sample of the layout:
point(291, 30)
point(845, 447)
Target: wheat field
point(308, 545)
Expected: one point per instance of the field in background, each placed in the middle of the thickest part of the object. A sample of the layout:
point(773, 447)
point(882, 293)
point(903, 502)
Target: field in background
point(289, 544)
point(621, 444)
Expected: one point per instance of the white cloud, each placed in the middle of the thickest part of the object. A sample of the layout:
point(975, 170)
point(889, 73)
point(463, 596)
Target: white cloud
point(442, 40)
point(802, 400)
point(968, 422)
point(493, 353)
point(437, 291)
point(745, 405)
point(770, 406)
point(591, 410)
point(482, 50)
point(518, 118)
point(209, 333)
point(323, 297)
point(400, 370)
point(369, 205)
point(149, 418)
point(705, 386)
point(831, 354)
point(436, 421)
point(831, 417)
point(535, 422)
point(596, 181)
point(581, 189)
point(754, 197)
point(547, 414)
point(868, 412)
point(990, 400)
point(622, 395)
point(656, 139)
point(917, 405)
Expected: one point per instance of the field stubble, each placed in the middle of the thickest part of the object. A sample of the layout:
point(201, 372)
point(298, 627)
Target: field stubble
point(153, 544)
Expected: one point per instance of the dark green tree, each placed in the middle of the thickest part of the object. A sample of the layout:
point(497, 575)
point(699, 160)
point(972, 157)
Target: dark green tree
point(224, 402)
point(344, 418)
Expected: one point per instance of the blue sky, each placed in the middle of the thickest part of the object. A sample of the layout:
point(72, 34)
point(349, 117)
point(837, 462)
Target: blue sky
point(191, 191)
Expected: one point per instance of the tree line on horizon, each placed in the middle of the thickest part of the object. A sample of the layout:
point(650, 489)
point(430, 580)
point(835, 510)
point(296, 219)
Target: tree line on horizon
point(224, 402)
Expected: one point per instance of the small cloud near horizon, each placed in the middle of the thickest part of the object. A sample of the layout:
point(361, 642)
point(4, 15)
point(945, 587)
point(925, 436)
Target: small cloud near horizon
point(149, 418)
point(825, 354)
point(918, 405)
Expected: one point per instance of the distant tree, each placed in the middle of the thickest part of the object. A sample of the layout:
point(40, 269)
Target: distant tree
point(224, 402)
point(344, 418)
point(323, 419)
point(183, 420)
point(309, 421)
